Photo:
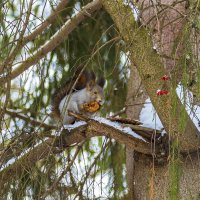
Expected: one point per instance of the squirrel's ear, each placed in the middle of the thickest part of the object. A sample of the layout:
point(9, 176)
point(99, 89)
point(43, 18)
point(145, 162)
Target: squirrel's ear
point(91, 76)
point(101, 82)
point(83, 79)
point(90, 84)
point(86, 76)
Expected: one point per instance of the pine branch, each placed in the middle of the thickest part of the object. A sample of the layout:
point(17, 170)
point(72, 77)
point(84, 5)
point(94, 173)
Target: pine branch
point(28, 119)
point(9, 60)
point(54, 41)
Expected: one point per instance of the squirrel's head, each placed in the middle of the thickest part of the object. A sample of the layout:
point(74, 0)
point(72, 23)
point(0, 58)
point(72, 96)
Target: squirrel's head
point(95, 90)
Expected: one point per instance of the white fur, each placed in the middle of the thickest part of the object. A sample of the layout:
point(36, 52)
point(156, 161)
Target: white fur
point(72, 103)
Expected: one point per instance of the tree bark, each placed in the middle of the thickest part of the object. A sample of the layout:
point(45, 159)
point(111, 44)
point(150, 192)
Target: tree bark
point(166, 20)
point(153, 181)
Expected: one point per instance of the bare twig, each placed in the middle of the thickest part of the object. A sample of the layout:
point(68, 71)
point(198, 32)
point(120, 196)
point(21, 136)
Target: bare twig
point(9, 60)
point(28, 119)
point(53, 186)
point(46, 23)
point(119, 113)
point(90, 169)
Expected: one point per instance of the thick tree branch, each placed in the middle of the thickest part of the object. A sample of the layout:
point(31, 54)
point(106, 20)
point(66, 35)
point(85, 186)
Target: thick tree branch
point(150, 68)
point(52, 146)
point(17, 144)
point(55, 40)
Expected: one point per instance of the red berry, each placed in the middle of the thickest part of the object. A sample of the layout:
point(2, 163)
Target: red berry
point(165, 78)
point(162, 92)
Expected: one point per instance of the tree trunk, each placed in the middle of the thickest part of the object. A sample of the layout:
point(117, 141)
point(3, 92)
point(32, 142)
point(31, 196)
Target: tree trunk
point(153, 181)
point(146, 179)
point(149, 179)
point(166, 20)
point(151, 70)
point(176, 177)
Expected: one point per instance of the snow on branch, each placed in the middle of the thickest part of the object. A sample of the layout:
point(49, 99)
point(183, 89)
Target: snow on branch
point(128, 132)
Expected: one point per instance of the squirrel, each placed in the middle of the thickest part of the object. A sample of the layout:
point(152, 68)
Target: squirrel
point(78, 94)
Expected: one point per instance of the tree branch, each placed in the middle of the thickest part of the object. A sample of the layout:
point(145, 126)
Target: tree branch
point(10, 58)
point(28, 119)
point(17, 144)
point(55, 40)
point(46, 22)
point(52, 146)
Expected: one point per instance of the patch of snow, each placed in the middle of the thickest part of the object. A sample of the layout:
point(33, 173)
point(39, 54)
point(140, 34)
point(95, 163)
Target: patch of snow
point(117, 125)
point(149, 117)
point(134, 9)
point(186, 98)
point(9, 162)
point(69, 127)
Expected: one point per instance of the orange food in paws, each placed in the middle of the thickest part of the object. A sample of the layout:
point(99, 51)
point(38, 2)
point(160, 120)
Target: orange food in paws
point(91, 107)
